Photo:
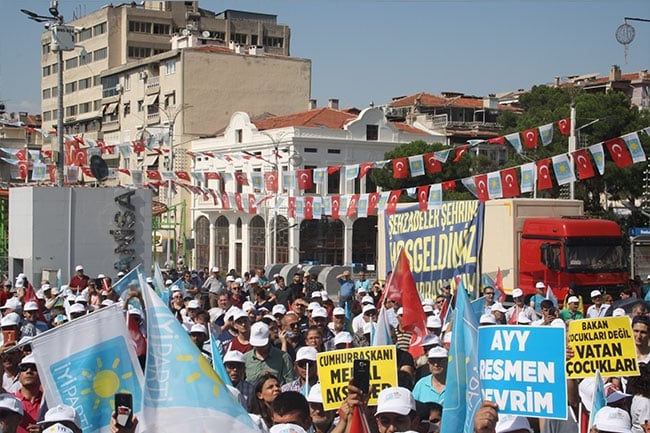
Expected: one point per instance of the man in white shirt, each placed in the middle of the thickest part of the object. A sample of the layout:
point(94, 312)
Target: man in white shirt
point(598, 309)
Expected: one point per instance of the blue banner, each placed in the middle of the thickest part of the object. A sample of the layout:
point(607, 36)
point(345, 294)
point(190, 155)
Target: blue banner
point(440, 243)
point(522, 375)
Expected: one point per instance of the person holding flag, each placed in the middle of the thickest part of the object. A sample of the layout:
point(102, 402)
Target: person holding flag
point(512, 315)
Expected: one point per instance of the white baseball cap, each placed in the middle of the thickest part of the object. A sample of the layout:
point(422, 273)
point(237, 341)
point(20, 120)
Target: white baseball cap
point(573, 299)
point(595, 293)
point(512, 423)
point(279, 309)
point(62, 413)
point(338, 311)
point(434, 322)
point(437, 352)
point(247, 306)
point(199, 328)
point(230, 278)
point(77, 308)
point(100, 276)
point(428, 301)
point(306, 353)
point(79, 268)
point(193, 304)
point(431, 340)
point(237, 314)
point(497, 306)
point(215, 269)
point(400, 311)
point(168, 282)
point(516, 293)
point(259, 334)
point(539, 285)
point(395, 400)
point(149, 280)
point(30, 306)
point(254, 280)
point(367, 300)
point(315, 395)
point(619, 312)
point(368, 307)
point(11, 319)
point(176, 289)
point(362, 289)
point(342, 337)
point(316, 294)
point(427, 308)
point(312, 306)
point(487, 319)
point(612, 419)
point(234, 356)
point(287, 428)
point(319, 312)
point(11, 403)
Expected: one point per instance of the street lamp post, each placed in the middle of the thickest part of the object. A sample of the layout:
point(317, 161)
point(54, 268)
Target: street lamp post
point(62, 40)
point(276, 149)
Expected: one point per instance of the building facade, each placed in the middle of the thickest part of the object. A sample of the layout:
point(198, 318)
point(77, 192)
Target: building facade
point(317, 138)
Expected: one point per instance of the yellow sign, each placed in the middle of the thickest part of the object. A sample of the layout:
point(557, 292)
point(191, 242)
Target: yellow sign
point(335, 372)
point(604, 344)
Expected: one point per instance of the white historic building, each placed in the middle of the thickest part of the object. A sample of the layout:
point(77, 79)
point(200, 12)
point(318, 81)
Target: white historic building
point(318, 138)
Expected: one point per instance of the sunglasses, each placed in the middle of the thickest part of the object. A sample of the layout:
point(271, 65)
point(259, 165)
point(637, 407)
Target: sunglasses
point(25, 367)
point(303, 363)
point(293, 325)
point(234, 365)
point(489, 293)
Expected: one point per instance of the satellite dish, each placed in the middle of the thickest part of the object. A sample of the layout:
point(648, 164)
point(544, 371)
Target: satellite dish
point(206, 34)
point(98, 167)
point(185, 32)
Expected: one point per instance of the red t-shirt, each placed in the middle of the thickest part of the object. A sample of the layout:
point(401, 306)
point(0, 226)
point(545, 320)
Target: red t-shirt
point(31, 409)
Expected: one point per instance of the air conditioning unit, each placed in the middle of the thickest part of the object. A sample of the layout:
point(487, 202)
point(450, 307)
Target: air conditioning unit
point(118, 88)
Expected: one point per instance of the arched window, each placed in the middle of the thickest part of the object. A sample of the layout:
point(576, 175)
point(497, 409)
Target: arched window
point(257, 238)
point(281, 239)
point(202, 244)
point(222, 242)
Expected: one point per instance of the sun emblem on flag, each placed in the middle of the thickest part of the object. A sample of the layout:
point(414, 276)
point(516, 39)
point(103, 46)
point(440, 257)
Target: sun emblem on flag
point(105, 381)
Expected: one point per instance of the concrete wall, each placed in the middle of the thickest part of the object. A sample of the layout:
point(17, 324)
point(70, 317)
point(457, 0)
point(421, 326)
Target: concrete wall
point(59, 228)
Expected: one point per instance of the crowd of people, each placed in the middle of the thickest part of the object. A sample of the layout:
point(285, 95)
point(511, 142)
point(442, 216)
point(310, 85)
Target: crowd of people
point(269, 334)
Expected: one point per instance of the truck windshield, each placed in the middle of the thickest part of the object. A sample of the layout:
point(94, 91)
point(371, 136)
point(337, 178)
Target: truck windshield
point(597, 257)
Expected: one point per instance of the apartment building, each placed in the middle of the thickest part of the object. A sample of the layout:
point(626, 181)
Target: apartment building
point(116, 35)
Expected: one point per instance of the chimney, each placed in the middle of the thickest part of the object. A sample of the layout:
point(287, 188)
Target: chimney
point(313, 104)
point(256, 50)
point(556, 81)
point(615, 73)
point(333, 104)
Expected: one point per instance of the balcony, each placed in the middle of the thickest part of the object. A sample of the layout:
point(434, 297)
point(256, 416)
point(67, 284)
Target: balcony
point(153, 82)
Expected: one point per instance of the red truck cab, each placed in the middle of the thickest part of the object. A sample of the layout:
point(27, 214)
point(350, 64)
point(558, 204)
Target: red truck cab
point(588, 252)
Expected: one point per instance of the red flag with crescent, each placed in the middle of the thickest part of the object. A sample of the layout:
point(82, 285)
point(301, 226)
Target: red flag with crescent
point(352, 206)
point(304, 179)
point(564, 126)
point(336, 206)
point(583, 164)
point(252, 207)
point(400, 170)
point(373, 198)
point(509, 184)
point(80, 157)
point(544, 180)
point(530, 137)
point(51, 169)
point(618, 151)
point(449, 185)
point(364, 168)
point(460, 150)
point(393, 198)
point(309, 208)
point(183, 175)
point(423, 196)
point(241, 178)
point(497, 140)
point(431, 163)
point(271, 181)
point(401, 288)
point(480, 182)
point(225, 200)
point(212, 175)
point(23, 169)
point(292, 207)
point(238, 201)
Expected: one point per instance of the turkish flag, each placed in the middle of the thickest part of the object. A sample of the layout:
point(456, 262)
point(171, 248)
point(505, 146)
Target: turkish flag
point(431, 164)
point(70, 151)
point(153, 175)
point(252, 208)
point(304, 179)
point(51, 168)
point(530, 138)
point(124, 171)
point(138, 145)
point(480, 182)
point(212, 175)
point(619, 153)
point(80, 157)
point(393, 198)
point(359, 422)
point(565, 126)
point(336, 205)
point(271, 181)
point(292, 207)
point(497, 140)
point(23, 169)
point(364, 168)
point(399, 168)
point(21, 155)
point(86, 171)
point(449, 185)
point(401, 288)
point(139, 341)
point(183, 175)
point(499, 293)
point(509, 184)
point(215, 200)
point(373, 198)
point(225, 200)
point(583, 164)
point(333, 169)
point(544, 180)
point(238, 201)
point(352, 206)
point(309, 208)
point(241, 178)
point(460, 150)
point(423, 196)
point(78, 139)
